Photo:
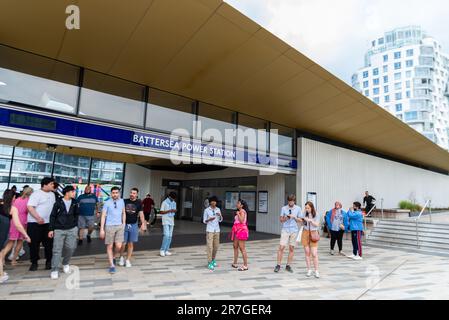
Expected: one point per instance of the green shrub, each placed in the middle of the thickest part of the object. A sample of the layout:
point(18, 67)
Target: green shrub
point(407, 205)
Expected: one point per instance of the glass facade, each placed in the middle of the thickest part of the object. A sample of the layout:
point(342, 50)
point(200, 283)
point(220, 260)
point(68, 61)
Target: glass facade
point(37, 81)
point(29, 166)
point(56, 86)
point(284, 138)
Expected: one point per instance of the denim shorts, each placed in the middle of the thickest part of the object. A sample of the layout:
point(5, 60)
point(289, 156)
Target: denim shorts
point(131, 233)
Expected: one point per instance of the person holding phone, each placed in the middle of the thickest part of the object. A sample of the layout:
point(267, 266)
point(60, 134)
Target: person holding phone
point(168, 212)
point(355, 216)
point(240, 234)
point(311, 223)
point(289, 219)
point(212, 217)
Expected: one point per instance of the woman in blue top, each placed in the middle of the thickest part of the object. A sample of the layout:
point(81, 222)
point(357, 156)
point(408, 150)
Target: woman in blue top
point(355, 215)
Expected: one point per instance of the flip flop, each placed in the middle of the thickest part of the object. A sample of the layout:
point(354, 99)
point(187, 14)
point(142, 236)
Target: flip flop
point(234, 266)
point(243, 268)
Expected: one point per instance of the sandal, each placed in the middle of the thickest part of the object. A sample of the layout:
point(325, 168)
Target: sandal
point(243, 268)
point(234, 266)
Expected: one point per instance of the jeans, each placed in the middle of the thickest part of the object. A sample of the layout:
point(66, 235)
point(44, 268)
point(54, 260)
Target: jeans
point(166, 240)
point(337, 236)
point(39, 234)
point(64, 244)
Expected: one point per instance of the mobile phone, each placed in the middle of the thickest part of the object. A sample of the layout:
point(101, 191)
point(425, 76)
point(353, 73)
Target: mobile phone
point(289, 212)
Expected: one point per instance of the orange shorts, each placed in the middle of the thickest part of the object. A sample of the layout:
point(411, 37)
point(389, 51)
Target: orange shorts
point(305, 240)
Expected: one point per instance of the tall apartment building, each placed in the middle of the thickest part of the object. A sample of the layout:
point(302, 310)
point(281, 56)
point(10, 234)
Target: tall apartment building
point(407, 74)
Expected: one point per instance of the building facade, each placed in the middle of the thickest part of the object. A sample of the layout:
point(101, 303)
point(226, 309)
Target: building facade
point(407, 72)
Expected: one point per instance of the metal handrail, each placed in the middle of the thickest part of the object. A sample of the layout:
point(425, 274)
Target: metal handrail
point(364, 220)
point(428, 203)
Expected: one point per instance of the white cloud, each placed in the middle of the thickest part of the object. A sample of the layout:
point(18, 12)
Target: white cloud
point(336, 34)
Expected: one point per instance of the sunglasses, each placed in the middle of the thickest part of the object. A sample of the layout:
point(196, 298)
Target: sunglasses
point(115, 205)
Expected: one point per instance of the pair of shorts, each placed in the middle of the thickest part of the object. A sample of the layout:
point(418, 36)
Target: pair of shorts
point(288, 238)
point(85, 222)
point(131, 233)
point(114, 234)
point(305, 240)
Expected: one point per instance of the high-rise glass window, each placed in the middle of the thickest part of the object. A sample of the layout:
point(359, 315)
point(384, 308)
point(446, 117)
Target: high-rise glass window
point(365, 84)
point(107, 98)
point(409, 52)
point(366, 93)
point(386, 89)
point(407, 84)
point(375, 71)
point(398, 96)
point(399, 107)
point(376, 100)
point(5, 166)
point(365, 74)
point(398, 86)
point(397, 76)
point(397, 55)
point(376, 81)
point(385, 79)
point(71, 169)
point(387, 99)
point(167, 112)
point(104, 176)
point(409, 63)
point(284, 139)
point(216, 120)
point(37, 81)
point(252, 138)
point(397, 65)
point(411, 115)
point(385, 69)
point(375, 91)
point(30, 166)
point(408, 74)
point(408, 94)
point(385, 58)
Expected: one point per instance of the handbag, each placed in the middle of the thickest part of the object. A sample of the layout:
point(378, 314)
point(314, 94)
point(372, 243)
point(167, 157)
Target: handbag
point(240, 231)
point(314, 236)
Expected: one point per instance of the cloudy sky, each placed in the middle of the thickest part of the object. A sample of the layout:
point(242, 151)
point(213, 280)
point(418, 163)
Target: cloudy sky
point(336, 34)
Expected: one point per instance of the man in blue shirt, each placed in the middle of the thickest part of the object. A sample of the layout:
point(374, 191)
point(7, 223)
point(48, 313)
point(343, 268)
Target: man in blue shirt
point(289, 219)
point(168, 212)
point(112, 228)
point(87, 212)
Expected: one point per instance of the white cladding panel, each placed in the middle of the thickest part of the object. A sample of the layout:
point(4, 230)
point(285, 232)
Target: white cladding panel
point(336, 173)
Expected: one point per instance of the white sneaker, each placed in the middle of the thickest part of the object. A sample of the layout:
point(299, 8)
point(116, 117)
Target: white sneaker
point(128, 263)
point(309, 273)
point(121, 263)
point(317, 274)
point(358, 258)
point(168, 253)
point(54, 275)
point(66, 269)
point(351, 256)
point(332, 252)
point(162, 253)
point(11, 256)
point(4, 278)
point(21, 252)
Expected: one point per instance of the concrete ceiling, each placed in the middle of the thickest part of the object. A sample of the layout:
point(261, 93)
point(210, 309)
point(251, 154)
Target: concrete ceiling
point(207, 50)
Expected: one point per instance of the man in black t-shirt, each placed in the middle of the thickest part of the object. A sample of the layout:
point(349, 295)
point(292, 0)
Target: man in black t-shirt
point(134, 212)
point(368, 201)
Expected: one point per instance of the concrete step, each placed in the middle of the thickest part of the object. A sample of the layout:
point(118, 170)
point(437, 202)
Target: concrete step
point(410, 237)
point(425, 229)
point(410, 243)
point(412, 222)
point(433, 235)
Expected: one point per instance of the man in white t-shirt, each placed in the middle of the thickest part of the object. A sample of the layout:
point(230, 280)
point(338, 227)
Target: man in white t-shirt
point(168, 212)
point(40, 206)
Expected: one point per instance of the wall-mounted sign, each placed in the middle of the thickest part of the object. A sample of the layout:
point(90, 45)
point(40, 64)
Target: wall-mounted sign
point(311, 196)
point(263, 202)
point(231, 200)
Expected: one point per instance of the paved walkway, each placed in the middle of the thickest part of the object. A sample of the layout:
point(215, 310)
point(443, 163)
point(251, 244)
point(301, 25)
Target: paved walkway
point(383, 274)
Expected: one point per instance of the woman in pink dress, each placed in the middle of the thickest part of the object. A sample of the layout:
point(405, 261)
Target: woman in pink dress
point(14, 234)
point(240, 234)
